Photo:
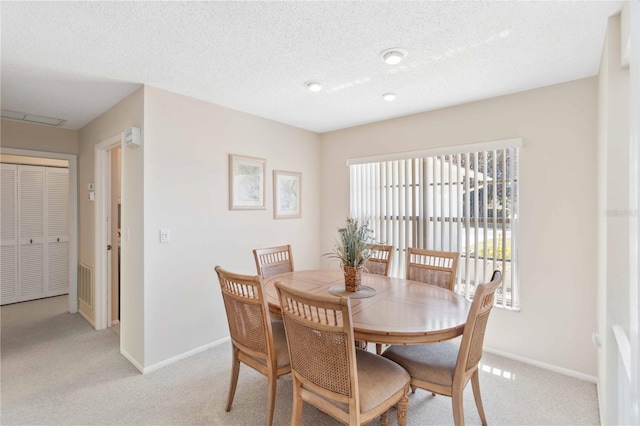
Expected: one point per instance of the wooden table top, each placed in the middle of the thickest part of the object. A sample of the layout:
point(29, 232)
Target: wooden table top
point(401, 311)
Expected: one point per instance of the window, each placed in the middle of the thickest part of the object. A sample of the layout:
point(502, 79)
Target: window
point(464, 200)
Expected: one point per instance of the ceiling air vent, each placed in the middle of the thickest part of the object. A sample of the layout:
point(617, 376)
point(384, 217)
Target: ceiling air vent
point(31, 118)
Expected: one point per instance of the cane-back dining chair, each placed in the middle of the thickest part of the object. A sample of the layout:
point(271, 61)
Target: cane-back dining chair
point(349, 384)
point(432, 267)
point(380, 261)
point(273, 260)
point(256, 340)
point(444, 367)
point(380, 264)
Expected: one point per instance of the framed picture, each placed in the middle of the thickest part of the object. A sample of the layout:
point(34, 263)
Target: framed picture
point(246, 183)
point(287, 192)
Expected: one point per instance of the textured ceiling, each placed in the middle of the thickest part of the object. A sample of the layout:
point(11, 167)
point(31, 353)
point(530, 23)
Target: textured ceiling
point(75, 60)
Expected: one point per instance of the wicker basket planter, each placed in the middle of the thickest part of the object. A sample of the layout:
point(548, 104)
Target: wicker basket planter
point(352, 278)
point(353, 249)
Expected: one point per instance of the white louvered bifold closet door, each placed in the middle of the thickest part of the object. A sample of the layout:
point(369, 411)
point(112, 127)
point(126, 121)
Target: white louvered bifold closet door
point(57, 195)
point(8, 233)
point(31, 225)
point(35, 232)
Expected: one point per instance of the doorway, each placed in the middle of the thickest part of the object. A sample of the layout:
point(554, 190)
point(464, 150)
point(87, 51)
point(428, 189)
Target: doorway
point(108, 196)
point(114, 238)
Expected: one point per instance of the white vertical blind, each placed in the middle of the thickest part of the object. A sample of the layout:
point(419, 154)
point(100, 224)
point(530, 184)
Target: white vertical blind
point(463, 202)
point(467, 224)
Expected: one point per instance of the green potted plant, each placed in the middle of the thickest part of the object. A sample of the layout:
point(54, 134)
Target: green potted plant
point(353, 249)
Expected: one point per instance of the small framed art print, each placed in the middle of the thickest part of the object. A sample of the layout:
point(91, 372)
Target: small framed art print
point(287, 192)
point(246, 183)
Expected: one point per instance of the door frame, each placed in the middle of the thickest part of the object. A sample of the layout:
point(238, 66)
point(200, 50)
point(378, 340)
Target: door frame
point(634, 204)
point(73, 214)
point(102, 227)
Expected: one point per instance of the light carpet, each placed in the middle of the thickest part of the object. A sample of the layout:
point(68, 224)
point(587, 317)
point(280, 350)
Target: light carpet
point(56, 369)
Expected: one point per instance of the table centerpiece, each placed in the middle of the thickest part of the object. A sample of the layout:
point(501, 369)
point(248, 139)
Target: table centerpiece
point(353, 249)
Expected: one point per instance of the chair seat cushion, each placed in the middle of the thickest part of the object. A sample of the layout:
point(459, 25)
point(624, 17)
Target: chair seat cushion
point(431, 362)
point(280, 343)
point(378, 379)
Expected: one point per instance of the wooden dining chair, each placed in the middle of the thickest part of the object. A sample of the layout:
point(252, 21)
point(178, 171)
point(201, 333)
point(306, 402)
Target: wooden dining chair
point(349, 384)
point(273, 260)
point(380, 261)
point(380, 264)
point(432, 267)
point(444, 367)
point(256, 340)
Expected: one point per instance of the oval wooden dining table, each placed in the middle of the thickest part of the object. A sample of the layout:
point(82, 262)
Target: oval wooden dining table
point(400, 312)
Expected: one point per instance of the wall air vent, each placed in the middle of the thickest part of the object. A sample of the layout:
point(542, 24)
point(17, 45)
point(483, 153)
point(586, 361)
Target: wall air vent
point(32, 118)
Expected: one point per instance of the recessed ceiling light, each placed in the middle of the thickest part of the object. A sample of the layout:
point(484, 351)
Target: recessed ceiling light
point(314, 86)
point(393, 56)
point(389, 97)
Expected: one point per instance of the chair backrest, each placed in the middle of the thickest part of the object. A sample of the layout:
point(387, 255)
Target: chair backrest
point(432, 267)
point(247, 313)
point(273, 260)
point(380, 261)
point(473, 336)
point(321, 344)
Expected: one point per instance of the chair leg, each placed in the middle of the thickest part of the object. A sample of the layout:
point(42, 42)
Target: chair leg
point(271, 397)
point(235, 369)
point(475, 384)
point(378, 348)
point(458, 409)
point(361, 344)
point(403, 404)
point(296, 410)
point(413, 388)
point(383, 419)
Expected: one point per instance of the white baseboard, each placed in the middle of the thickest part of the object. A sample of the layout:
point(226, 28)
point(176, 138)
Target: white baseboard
point(551, 367)
point(86, 317)
point(132, 360)
point(183, 355)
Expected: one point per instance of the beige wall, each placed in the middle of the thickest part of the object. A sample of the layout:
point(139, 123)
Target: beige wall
point(128, 113)
point(613, 235)
point(177, 179)
point(187, 144)
point(557, 249)
point(36, 137)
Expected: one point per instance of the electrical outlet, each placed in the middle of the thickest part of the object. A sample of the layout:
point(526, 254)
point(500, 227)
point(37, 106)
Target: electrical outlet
point(165, 236)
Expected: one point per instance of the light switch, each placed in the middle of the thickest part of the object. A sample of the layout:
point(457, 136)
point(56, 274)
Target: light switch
point(165, 236)
point(92, 196)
